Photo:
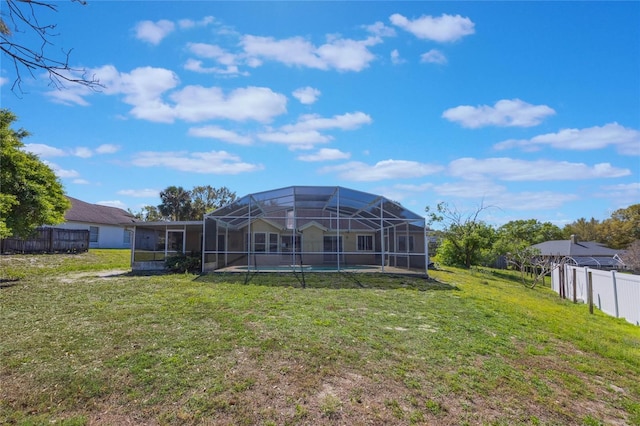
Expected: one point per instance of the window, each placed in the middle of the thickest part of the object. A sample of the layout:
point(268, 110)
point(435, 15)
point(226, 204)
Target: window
point(262, 245)
point(289, 242)
point(365, 242)
point(94, 231)
point(273, 243)
point(126, 238)
point(260, 242)
point(405, 243)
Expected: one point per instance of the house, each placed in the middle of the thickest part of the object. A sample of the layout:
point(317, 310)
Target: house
point(109, 227)
point(312, 227)
point(582, 253)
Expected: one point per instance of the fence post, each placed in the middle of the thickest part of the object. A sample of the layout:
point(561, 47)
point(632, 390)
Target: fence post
point(590, 292)
point(575, 297)
point(615, 291)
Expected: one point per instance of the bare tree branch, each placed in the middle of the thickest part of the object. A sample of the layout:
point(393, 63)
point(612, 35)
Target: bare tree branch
point(21, 17)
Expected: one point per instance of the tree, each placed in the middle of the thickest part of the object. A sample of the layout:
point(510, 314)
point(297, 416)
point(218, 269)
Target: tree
point(518, 235)
point(206, 198)
point(466, 239)
point(176, 203)
point(631, 257)
point(148, 214)
point(20, 17)
point(587, 230)
point(622, 229)
point(30, 193)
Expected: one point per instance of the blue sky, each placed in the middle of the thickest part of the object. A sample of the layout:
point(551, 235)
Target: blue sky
point(532, 108)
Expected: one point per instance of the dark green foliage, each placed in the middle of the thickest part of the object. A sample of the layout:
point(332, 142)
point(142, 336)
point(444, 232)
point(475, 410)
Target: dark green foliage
point(183, 263)
point(466, 240)
point(31, 194)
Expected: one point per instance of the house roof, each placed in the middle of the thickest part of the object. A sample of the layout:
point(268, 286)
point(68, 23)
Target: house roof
point(81, 211)
point(574, 249)
point(370, 211)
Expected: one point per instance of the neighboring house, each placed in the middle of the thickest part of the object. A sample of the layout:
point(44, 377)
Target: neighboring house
point(582, 253)
point(109, 227)
point(326, 227)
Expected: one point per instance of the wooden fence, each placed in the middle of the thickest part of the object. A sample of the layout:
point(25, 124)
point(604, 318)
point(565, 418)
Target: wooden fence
point(49, 240)
point(614, 293)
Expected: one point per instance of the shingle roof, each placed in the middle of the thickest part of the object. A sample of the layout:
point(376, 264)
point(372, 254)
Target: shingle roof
point(574, 249)
point(81, 211)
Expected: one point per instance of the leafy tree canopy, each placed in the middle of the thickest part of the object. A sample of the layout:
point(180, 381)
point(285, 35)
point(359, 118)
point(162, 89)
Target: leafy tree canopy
point(30, 193)
point(179, 204)
point(466, 239)
point(176, 203)
point(520, 234)
point(618, 231)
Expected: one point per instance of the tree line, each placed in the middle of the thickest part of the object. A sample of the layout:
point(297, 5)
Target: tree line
point(466, 240)
point(179, 204)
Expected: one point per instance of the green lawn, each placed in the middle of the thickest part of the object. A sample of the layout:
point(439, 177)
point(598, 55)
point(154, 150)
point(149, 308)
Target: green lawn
point(79, 346)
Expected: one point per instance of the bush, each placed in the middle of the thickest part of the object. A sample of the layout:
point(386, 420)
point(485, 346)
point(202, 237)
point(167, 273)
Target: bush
point(182, 263)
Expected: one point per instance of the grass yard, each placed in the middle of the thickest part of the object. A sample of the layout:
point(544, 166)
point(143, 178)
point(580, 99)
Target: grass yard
point(80, 346)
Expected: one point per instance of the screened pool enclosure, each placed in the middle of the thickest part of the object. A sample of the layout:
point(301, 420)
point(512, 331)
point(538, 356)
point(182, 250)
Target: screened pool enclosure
point(315, 227)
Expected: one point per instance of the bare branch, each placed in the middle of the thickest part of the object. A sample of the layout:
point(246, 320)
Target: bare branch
point(22, 14)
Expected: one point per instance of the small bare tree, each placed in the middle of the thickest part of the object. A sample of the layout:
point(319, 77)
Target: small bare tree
point(21, 17)
point(631, 257)
point(528, 261)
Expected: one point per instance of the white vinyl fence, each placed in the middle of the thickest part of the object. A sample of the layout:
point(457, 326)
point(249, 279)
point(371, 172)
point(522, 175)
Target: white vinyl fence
point(614, 293)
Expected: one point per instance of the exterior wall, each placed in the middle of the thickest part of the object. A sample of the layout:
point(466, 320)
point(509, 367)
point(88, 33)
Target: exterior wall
point(312, 239)
point(109, 236)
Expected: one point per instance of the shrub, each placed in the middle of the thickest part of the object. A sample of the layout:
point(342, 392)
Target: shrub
point(182, 263)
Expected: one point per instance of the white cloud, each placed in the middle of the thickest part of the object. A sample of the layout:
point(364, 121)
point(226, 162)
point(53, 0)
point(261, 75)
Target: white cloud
point(305, 133)
point(47, 151)
point(189, 23)
point(80, 182)
point(113, 203)
point(441, 29)
point(505, 113)
point(325, 154)
point(306, 95)
point(107, 148)
point(215, 132)
point(60, 172)
point(381, 30)
point(82, 152)
point(73, 95)
point(337, 53)
point(434, 56)
point(44, 151)
point(140, 193)
point(387, 169)
point(487, 192)
point(347, 121)
point(197, 103)
point(213, 51)
point(144, 89)
point(153, 32)
point(196, 66)
point(212, 162)
point(624, 194)
point(302, 139)
point(3, 81)
point(229, 61)
point(510, 169)
point(395, 57)
point(626, 140)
